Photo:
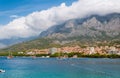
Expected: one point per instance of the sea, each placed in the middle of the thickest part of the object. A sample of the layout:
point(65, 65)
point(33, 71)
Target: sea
point(27, 67)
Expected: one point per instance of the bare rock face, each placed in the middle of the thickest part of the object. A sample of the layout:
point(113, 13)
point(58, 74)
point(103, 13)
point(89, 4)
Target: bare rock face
point(95, 26)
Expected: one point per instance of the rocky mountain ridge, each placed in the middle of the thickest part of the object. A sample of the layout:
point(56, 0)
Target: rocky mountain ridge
point(95, 26)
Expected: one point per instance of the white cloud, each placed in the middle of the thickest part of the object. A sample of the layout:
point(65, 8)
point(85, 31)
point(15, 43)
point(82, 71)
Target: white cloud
point(14, 16)
point(36, 22)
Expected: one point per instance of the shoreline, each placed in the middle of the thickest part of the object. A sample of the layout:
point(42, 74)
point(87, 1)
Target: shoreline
point(64, 58)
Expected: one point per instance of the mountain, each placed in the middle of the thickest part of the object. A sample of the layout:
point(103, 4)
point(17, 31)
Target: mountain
point(81, 31)
point(8, 42)
point(93, 27)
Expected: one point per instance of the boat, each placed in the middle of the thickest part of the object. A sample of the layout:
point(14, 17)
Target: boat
point(34, 57)
point(62, 56)
point(9, 56)
point(2, 71)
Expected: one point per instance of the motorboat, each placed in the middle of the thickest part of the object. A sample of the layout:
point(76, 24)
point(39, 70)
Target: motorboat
point(2, 71)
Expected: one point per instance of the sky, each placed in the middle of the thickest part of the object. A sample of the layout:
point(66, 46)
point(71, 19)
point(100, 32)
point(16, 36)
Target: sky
point(28, 18)
point(10, 9)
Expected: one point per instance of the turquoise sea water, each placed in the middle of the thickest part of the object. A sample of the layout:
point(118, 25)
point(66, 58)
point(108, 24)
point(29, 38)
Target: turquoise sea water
point(54, 68)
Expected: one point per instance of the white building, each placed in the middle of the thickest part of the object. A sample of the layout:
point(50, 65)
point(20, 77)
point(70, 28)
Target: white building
point(53, 50)
point(118, 53)
point(20, 52)
point(92, 50)
point(113, 50)
point(30, 53)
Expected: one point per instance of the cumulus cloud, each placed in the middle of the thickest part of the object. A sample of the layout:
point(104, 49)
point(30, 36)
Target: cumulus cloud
point(36, 22)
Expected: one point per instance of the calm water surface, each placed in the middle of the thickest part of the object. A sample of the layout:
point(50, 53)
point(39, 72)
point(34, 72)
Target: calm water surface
point(54, 68)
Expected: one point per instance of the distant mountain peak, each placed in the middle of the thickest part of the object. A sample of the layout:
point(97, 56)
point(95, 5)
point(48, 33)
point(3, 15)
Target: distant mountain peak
point(93, 26)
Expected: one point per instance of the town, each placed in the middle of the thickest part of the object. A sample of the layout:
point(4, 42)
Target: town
point(103, 50)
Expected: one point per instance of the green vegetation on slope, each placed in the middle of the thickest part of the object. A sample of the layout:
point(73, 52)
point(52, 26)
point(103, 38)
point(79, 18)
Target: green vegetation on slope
point(43, 43)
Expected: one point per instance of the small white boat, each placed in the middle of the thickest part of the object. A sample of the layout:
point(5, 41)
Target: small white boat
point(9, 57)
point(2, 71)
